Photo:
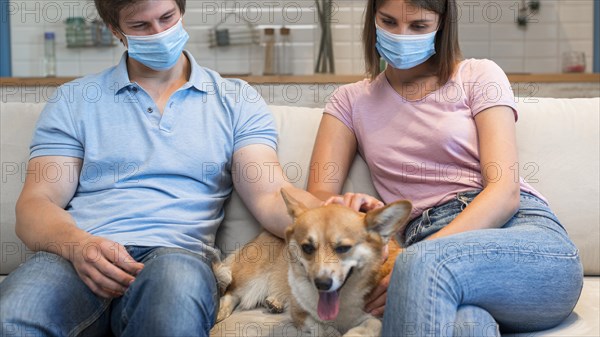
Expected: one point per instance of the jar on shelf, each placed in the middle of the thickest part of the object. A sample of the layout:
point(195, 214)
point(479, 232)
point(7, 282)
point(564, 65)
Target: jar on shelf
point(270, 66)
point(573, 62)
point(77, 34)
point(284, 55)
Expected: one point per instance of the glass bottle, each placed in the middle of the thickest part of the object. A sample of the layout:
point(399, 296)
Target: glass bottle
point(49, 55)
point(284, 59)
point(270, 67)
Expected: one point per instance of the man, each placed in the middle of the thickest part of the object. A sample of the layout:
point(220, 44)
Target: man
point(127, 233)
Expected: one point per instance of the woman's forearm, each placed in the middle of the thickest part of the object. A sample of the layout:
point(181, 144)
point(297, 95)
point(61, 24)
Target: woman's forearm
point(492, 208)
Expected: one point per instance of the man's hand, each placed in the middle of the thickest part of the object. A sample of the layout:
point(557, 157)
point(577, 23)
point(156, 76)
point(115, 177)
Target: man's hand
point(357, 201)
point(376, 300)
point(105, 266)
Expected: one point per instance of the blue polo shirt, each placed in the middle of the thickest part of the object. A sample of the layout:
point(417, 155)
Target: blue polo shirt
point(149, 179)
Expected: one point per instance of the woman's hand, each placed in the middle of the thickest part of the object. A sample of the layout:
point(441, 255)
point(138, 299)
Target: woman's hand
point(357, 201)
point(104, 266)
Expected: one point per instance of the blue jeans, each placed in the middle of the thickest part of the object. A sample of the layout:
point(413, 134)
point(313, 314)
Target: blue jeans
point(174, 295)
point(525, 276)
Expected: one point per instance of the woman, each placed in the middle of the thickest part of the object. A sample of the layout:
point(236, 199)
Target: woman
point(484, 252)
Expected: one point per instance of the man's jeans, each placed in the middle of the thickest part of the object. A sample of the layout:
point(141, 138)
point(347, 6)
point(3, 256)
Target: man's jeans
point(174, 295)
point(525, 276)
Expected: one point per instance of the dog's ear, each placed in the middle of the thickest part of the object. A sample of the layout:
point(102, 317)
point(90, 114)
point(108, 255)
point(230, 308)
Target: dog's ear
point(294, 207)
point(390, 219)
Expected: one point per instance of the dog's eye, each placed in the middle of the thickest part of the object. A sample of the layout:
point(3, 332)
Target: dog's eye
point(308, 248)
point(342, 249)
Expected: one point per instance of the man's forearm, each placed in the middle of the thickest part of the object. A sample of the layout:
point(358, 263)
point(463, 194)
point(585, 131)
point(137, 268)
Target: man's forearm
point(323, 195)
point(275, 217)
point(44, 226)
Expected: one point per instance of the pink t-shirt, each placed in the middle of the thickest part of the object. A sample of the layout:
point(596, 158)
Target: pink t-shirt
point(425, 151)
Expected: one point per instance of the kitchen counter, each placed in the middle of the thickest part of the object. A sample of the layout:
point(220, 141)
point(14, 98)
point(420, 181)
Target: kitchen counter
point(320, 79)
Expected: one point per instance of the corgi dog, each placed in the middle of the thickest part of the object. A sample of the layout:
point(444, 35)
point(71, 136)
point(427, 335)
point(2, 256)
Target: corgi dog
point(330, 261)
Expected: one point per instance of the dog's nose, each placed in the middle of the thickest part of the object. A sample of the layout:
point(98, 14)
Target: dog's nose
point(323, 283)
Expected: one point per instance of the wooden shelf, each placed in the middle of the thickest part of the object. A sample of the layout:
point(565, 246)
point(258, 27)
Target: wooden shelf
point(555, 78)
point(319, 79)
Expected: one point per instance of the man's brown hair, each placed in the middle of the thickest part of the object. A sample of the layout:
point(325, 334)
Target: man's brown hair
point(446, 41)
point(109, 9)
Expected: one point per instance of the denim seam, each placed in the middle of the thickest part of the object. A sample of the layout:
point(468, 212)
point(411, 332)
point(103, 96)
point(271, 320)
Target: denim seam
point(435, 290)
point(529, 252)
point(553, 219)
point(442, 263)
point(124, 319)
point(85, 324)
point(534, 199)
point(156, 253)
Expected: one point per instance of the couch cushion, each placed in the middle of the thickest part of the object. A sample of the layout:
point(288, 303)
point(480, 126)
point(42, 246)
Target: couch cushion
point(559, 155)
point(17, 121)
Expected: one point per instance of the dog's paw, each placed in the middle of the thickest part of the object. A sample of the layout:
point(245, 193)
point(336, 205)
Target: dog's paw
point(274, 305)
point(222, 314)
point(223, 276)
point(226, 306)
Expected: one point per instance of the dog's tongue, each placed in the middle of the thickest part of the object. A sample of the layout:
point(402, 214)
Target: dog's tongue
point(329, 305)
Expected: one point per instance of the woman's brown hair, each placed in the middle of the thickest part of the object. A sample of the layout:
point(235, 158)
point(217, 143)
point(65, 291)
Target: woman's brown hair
point(446, 41)
point(109, 9)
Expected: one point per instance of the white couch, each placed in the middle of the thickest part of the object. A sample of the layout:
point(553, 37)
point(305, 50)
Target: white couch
point(559, 154)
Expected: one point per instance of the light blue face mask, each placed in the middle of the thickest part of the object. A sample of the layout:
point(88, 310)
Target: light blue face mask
point(159, 51)
point(405, 51)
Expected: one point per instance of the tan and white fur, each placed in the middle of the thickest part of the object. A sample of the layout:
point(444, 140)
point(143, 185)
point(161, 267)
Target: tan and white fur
point(330, 261)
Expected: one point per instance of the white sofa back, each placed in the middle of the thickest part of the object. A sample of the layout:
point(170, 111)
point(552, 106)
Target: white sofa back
point(559, 153)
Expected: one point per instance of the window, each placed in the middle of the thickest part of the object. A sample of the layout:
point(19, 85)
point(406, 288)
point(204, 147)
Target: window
point(5, 63)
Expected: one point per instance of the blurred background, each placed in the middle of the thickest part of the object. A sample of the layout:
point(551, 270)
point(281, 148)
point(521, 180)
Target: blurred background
point(539, 36)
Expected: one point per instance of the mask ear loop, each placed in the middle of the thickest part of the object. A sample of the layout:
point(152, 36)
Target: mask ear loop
point(115, 31)
point(123, 42)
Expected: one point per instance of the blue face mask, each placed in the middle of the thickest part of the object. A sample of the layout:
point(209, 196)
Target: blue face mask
point(159, 51)
point(405, 51)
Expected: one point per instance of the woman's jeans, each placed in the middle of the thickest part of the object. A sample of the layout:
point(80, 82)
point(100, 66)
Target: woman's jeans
point(174, 295)
point(525, 276)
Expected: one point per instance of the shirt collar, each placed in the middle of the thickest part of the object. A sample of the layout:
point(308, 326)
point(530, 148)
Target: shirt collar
point(198, 75)
point(120, 77)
